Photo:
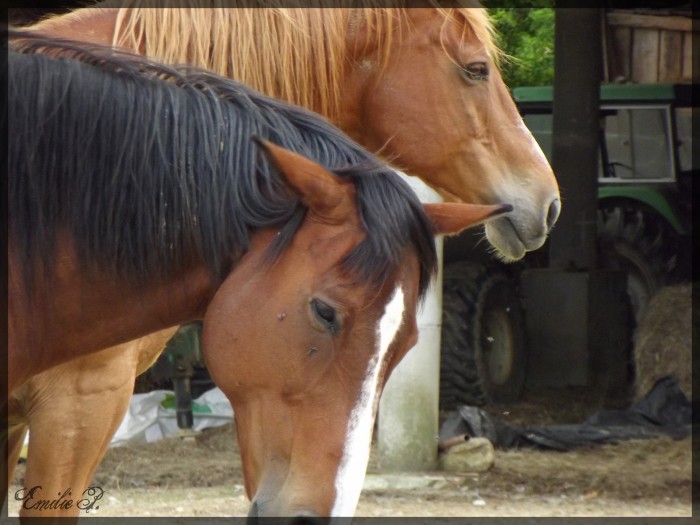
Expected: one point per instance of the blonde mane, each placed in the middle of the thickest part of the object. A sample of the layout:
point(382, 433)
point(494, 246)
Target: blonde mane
point(297, 54)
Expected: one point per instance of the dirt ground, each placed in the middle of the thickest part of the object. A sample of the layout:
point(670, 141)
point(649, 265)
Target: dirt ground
point(201, 476)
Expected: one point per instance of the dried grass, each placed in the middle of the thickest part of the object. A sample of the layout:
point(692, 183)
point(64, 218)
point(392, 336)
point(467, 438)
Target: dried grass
point(663, 342)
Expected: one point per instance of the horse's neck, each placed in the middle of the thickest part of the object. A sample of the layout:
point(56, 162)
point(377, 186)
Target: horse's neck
point(95, 25)
point(79, 314)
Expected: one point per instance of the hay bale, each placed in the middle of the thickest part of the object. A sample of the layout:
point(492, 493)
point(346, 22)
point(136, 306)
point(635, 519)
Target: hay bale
point(663, 341)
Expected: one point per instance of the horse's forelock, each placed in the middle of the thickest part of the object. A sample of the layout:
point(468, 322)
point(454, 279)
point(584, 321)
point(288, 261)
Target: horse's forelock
point(395, 223)
point(479, 21)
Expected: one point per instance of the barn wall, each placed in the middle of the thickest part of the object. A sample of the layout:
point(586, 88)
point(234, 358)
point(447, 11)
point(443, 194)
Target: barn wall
point(648, 48)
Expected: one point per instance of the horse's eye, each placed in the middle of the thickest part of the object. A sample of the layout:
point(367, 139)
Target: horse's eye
point(476, 71)
point(325, 313)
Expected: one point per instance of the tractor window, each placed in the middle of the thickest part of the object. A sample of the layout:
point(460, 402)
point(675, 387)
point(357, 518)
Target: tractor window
point(637, 144)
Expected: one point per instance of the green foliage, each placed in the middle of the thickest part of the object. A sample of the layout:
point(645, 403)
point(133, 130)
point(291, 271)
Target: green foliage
point(526, 35)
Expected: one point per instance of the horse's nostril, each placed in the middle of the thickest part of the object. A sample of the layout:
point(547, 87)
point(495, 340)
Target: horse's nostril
point(553, 213)
point(308, 518)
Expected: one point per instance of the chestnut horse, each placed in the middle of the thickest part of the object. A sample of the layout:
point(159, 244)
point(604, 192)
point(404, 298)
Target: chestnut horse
point(421, 85)
point(138, 202)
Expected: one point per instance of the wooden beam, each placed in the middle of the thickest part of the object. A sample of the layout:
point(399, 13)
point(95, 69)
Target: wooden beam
point(669, 23)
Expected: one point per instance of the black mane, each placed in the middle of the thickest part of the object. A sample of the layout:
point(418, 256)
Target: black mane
point(146, 164)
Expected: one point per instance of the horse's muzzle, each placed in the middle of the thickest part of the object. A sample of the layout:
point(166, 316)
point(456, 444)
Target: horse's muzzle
point(307, 518)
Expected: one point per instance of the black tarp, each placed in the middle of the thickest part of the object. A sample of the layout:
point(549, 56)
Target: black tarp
point(664, 411)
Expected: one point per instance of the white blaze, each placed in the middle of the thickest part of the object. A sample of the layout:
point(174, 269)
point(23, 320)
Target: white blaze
point(353, 464)
point(536, 148)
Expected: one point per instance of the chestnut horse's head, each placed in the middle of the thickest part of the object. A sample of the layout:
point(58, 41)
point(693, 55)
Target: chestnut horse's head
point(421, 86)
point(303, 346)
point(433, 102)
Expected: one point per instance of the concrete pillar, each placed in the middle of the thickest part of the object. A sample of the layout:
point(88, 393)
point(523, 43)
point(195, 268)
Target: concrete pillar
point(407, 424)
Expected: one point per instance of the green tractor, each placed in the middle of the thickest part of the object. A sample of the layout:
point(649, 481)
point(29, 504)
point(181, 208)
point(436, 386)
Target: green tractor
point(644, 228)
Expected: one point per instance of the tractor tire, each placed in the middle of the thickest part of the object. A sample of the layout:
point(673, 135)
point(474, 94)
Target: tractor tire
point(483, 354)
point(632, 239)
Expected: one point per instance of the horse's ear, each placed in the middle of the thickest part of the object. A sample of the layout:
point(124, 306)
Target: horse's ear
point(450, 218)
point(328, 196)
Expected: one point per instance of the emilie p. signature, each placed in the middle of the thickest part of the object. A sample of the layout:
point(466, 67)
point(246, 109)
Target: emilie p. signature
point(33, 500)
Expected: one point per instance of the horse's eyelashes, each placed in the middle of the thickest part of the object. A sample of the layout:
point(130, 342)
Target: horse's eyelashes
point(326, 314)
point(476, 71)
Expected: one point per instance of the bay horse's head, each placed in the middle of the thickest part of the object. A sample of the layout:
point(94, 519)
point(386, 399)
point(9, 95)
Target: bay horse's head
point(434, 102)
point(303, 346)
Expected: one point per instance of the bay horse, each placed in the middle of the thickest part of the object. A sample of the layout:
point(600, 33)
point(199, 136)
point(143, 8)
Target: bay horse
point(420, 86)
point(138, 201)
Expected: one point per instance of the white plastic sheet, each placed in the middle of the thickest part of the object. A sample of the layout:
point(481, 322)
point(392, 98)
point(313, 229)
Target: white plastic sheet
point(151, 416)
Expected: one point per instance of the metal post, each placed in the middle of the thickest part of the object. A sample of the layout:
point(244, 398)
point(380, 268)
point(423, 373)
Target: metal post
point(576, 313)
point(575, 135)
